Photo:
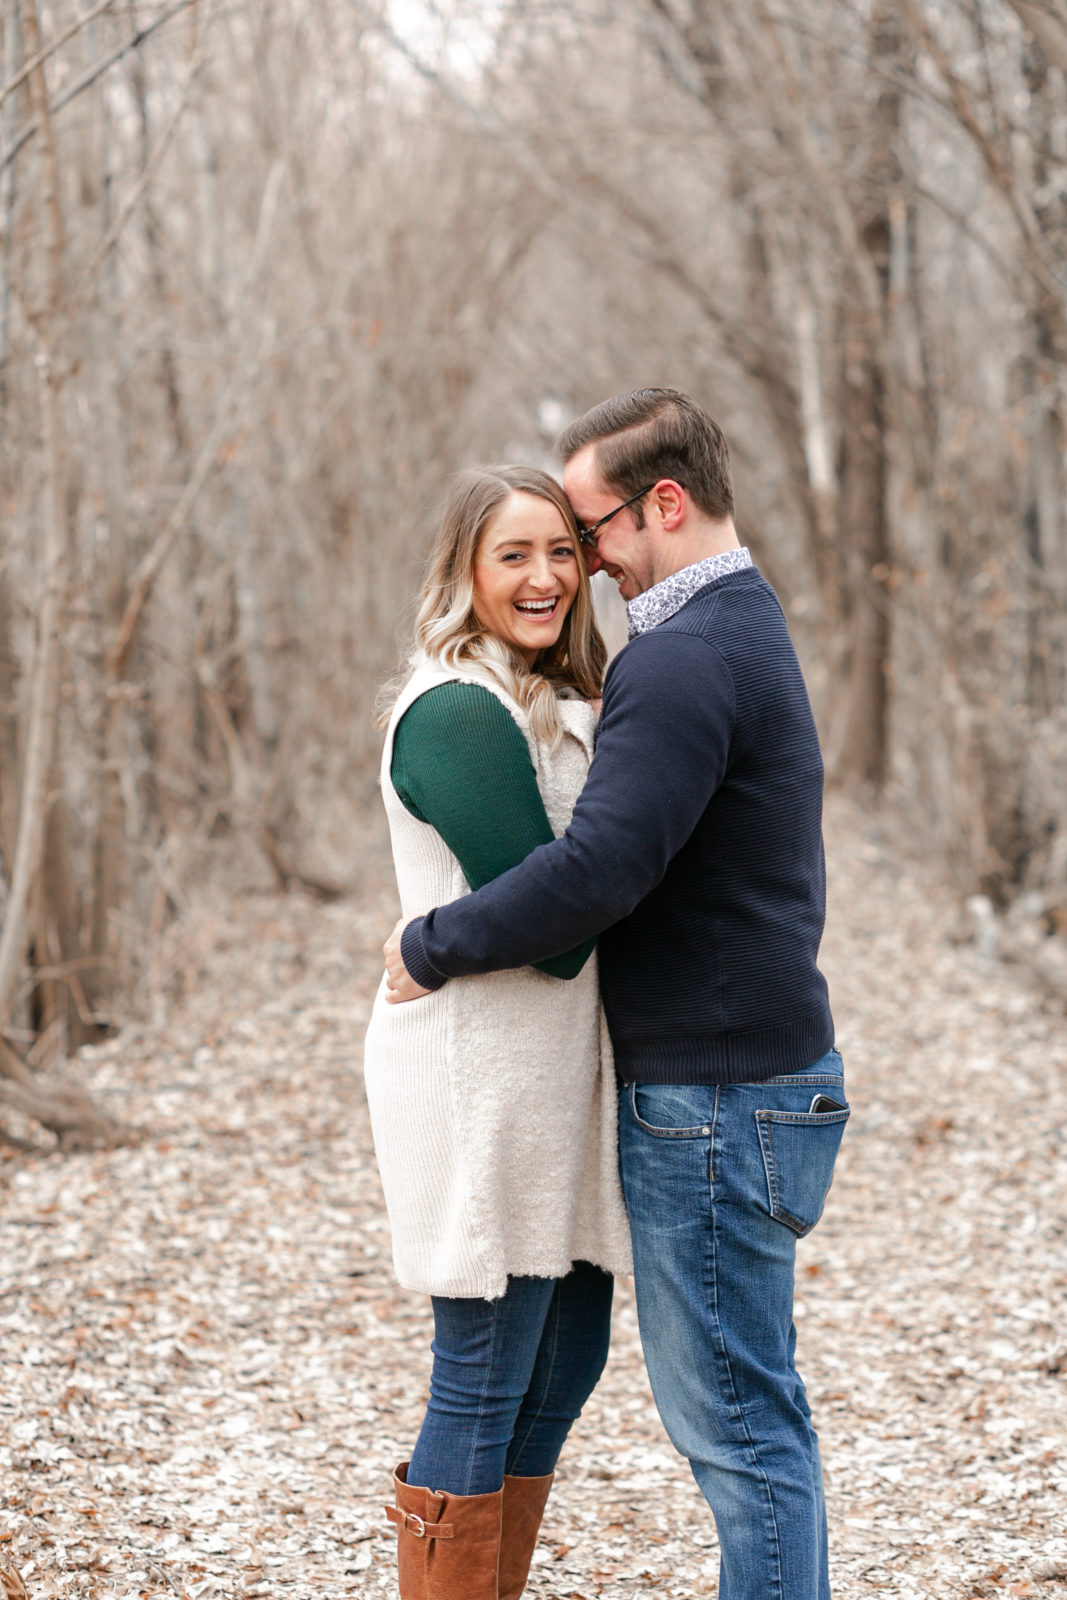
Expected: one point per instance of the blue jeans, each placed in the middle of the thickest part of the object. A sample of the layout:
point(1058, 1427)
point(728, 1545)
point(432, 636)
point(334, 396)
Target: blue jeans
point(509, 1378)
point(720, 1181)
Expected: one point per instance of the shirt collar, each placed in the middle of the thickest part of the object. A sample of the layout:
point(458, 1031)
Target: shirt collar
point(648, 610)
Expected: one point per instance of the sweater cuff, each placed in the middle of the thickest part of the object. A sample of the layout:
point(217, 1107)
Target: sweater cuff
point(415, 960)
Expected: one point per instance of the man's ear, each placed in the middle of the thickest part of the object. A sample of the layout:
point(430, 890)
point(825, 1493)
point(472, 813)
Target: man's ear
point(668, 499)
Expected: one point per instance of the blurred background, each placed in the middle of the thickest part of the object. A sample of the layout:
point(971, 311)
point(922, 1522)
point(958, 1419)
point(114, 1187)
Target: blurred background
point(271, 271)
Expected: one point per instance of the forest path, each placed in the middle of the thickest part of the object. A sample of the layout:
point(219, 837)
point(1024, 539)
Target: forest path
point(208, 1372)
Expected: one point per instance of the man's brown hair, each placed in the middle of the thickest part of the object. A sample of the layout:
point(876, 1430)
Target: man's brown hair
point(652, 434)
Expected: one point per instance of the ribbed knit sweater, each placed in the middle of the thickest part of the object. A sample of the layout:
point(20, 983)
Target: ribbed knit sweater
point(697, 842)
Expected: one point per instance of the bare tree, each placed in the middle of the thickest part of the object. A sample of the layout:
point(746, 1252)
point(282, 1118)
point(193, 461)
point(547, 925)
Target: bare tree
point(273, 273)
point(45, 686)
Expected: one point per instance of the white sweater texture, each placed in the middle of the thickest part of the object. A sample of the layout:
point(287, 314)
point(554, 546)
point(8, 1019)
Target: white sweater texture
point(493, 1102)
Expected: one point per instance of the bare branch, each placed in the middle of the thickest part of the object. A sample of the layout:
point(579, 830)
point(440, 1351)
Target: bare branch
point(1048, 24)
point(149, 568)
point(50, 49)
point(63, 1108)
point(89, 77)
point(786, 95)
point(143, 183)
point(1003, 180)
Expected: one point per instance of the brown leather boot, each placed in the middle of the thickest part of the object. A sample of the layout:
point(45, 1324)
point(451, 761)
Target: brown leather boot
point(448, 1545)
point(524, 1506)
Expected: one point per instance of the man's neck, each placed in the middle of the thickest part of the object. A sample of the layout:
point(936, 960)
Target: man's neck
point(686, 548)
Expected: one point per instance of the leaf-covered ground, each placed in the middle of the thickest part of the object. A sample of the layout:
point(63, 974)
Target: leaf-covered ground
point(208, 1372)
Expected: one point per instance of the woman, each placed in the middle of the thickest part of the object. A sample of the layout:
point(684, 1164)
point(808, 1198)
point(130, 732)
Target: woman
point(493, 1101)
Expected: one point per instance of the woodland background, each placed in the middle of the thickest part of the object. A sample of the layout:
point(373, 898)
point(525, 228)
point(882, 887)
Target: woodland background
point(271, 271)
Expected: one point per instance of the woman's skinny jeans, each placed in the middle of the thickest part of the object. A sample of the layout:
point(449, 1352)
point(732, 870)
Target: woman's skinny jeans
point(509, 1377)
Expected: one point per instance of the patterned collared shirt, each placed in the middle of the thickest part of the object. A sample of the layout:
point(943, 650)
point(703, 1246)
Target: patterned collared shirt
point(648, 610)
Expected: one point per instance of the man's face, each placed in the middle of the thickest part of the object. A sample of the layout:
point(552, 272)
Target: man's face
point(623, 550)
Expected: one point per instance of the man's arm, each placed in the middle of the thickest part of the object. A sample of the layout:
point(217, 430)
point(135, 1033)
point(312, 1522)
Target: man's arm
point(662, 750)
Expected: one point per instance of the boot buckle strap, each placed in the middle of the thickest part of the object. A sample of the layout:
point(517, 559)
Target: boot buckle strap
point(408, 1522)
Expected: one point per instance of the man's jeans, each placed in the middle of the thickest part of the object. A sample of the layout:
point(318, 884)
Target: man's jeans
point(720, 1181)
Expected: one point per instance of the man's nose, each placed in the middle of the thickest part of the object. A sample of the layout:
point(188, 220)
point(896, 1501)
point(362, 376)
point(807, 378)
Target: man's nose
point(593, 562)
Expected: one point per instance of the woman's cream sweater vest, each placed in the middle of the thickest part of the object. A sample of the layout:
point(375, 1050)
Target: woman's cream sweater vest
point(493, 1101)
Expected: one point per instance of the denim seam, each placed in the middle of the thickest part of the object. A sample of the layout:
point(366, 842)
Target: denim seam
point(805, 1119)
point(767, 1152)
point(725, 1354)
point(803, 1077)
point(548, 1381)
point(714, 1136)
point(481, 1405)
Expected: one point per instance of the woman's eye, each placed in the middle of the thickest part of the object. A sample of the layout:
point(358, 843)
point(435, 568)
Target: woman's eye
point(564, 550)
point(512, 555)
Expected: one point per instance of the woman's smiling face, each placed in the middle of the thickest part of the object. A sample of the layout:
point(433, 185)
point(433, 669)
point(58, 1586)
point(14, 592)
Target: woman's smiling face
point(526, 574)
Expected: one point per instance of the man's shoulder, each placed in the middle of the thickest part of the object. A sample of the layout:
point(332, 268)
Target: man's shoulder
point(732, 600)
point(668, 675)
point(725, 609)
point(662, 650)
point(740, 617)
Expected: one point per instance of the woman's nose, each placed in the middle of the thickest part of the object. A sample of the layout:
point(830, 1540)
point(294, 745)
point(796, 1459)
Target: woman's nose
point(541, 574)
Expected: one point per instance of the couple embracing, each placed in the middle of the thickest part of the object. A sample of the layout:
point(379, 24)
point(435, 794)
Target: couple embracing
point(653, 859)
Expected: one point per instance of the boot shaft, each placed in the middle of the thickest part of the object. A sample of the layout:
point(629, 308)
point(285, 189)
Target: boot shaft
point(448, 1545)
point(524, 1506)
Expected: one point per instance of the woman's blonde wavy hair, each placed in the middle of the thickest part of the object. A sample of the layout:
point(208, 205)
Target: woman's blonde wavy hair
point(448, 631)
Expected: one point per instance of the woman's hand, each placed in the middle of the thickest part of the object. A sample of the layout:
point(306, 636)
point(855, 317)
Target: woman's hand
point(399, 984)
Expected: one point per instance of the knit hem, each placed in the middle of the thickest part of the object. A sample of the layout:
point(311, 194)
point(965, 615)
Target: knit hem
point(491, 1285)
point(746, 1057)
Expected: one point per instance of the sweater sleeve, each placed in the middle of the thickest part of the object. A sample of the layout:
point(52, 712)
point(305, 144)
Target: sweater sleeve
point(662, 751)
point(461, 764)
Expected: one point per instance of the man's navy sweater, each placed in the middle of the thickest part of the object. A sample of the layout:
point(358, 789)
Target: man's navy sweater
point(696, 843)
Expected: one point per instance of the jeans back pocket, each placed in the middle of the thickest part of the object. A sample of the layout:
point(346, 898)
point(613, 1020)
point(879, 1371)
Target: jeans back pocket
point(799, 1151)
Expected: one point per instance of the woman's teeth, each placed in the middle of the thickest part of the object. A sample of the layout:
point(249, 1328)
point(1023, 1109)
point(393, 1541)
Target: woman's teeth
point(536, 608)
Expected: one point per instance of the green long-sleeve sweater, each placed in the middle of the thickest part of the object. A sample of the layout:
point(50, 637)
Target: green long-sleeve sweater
point(460, 763)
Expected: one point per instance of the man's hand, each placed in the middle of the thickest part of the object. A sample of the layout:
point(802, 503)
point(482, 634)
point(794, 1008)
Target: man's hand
point(399, 985)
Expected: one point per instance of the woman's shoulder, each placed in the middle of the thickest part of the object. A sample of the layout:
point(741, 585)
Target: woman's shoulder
point(455, 705)
point(438, 690)
point(453, 710)
point(455, 746)
point(458, 725)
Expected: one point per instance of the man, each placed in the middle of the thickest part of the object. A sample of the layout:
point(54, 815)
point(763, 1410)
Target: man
point(695, 850)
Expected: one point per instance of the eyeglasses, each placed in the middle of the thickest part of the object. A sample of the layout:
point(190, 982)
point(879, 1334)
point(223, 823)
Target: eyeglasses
point(589, 535)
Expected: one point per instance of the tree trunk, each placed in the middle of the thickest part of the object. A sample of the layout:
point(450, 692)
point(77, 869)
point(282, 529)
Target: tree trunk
point(45, 687)
point(867, 423)
point(168, 369)
point(61, 1107)
point(57, 939)
point(1047, 485)
point(109, 845)
point(8, 122)
point(864, 737)
point(10, 762)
